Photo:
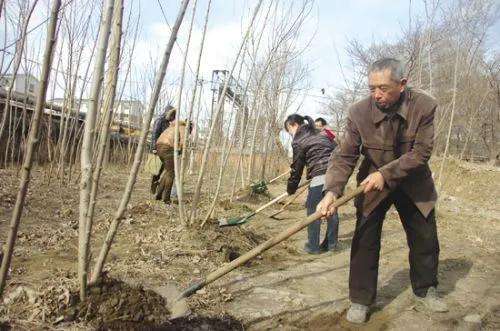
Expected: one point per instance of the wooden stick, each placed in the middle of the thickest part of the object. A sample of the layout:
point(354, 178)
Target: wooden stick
point(278, 177)
point(160, 75)
point(304, 189)
point(265, 246)
point(32, 140)
point(220, 105)
point(88, 146)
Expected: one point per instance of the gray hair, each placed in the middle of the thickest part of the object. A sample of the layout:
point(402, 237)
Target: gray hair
point(394, 65)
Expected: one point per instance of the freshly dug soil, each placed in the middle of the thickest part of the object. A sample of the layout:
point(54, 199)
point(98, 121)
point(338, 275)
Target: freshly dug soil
point(115, 301)
point(116, 305)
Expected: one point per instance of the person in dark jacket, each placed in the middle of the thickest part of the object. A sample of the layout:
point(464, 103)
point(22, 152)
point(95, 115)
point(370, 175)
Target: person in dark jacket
point(311, 149)
point(393, 128)
point(160, 125)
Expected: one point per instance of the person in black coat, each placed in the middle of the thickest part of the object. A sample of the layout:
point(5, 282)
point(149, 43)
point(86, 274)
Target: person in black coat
point(311, 150)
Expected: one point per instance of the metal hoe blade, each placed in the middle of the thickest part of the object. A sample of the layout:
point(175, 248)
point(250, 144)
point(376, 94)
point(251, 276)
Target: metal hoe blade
point(176, 303)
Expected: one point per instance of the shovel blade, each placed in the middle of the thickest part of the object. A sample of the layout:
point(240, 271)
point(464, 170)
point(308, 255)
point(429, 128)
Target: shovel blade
point(176, 304)
point(232, 221)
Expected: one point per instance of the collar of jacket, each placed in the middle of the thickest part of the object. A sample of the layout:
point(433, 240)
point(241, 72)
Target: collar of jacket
point(378, 115)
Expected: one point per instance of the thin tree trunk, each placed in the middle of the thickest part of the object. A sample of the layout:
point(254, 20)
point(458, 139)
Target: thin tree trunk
point(33, 139)
point(193, 95)
point(49, 133)
point(266, 153)
point(177, 162)
point(17, 64)
point(220, 105)
point(252, 146)
point(140, 148)
point(112, 78)
point(196, 134)
point(471, 122)
point(1, 7)
point(225, 153)
point(87, 146)
point(73, 111)
point(454, 97)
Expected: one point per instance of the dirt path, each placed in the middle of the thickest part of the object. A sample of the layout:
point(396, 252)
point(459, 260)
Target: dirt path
point(284, 288)
point(311, 292)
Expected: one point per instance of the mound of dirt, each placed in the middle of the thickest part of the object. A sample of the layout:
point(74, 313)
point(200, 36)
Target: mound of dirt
point(116, 301)
point(117, 305)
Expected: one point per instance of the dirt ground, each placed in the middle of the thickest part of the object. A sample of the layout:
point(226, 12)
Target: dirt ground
point(282, 289)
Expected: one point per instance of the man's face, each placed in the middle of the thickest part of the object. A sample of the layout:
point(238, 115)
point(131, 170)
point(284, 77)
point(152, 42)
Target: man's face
point(319, 125)
point(383, 89)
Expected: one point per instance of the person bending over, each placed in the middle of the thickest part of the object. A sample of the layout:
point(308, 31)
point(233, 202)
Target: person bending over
point(393, 128)
point(160, 125)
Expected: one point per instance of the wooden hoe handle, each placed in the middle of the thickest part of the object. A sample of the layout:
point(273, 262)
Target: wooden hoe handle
point(265, 246)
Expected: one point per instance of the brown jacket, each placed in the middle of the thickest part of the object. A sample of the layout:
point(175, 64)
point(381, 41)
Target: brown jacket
point(399, 148)
point(166, 139)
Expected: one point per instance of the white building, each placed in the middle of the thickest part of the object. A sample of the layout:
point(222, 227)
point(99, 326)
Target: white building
point(126, 112)
point(23, 84)
point(129, 112)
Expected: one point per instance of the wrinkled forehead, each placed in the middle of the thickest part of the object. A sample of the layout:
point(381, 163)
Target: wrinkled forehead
point(381, 78)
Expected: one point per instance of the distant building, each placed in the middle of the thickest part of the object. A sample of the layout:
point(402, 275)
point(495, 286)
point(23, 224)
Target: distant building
point(125, 113)
point(129, 112)
point(23, 84)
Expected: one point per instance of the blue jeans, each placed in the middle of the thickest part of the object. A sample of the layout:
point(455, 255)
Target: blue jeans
point(313, 230)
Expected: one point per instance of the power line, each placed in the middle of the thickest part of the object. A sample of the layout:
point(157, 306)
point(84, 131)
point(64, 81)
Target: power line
point(180, 48)
point(37, 26)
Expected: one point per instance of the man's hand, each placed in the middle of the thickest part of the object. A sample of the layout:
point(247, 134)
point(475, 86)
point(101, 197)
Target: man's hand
point(325, 206)
point(374, 181)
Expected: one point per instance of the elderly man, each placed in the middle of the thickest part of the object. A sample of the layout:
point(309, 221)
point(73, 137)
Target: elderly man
point(393, 129)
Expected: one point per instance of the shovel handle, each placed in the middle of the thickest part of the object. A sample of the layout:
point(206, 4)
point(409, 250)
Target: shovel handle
point(266, 245)
point(278, 177)
point(290, 201)
point(273, 201)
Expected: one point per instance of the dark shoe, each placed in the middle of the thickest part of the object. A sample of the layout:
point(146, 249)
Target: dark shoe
point(325, 247)
point(307, 249)
point(155, 180)
point(154, 185)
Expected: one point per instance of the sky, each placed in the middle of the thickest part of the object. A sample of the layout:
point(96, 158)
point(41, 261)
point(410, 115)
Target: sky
point(330, 25)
